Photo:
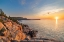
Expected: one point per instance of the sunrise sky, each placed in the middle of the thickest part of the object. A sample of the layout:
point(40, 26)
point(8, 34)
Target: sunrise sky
point(33, 8)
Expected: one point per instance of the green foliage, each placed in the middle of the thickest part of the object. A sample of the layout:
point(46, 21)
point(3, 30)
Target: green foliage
point(1, 20)
point(2, 14)
point(14, 20)
point(5, 15)
point(2, 30)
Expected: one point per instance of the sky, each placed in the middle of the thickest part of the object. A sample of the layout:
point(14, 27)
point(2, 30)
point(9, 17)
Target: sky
point(33, 8)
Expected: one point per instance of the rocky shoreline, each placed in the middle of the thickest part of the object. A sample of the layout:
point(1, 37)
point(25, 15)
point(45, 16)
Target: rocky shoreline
point(34, 38)
point(11, 30)
point(15, 32)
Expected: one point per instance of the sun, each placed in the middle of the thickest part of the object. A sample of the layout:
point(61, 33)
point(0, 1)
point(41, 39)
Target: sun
point(56, 17)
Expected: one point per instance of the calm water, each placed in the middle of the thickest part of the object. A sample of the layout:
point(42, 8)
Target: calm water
point(53, 29)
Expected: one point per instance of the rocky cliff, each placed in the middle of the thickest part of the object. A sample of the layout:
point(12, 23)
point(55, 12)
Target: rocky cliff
point(10, 30)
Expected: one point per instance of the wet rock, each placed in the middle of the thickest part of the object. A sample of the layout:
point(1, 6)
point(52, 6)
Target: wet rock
point(1, 40)
point(14, 41)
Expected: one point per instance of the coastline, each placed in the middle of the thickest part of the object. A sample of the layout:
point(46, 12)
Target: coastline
point(14, 31)
point(44, 39)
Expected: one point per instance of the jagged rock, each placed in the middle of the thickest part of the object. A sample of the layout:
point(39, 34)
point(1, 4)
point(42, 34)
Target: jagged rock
point(14, 41)
point(20, 36)
point(15, 31)
point(1, 25)
point(1, 40)
point(8, 25)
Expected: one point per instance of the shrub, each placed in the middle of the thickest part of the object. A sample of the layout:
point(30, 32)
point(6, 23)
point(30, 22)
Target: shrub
point(1, 20)
point(2, 30)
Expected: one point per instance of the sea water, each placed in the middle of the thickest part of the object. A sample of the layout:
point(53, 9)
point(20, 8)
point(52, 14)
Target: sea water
point(52, 29)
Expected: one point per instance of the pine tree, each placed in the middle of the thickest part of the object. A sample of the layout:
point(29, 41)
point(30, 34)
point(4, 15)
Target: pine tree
point(2, 13)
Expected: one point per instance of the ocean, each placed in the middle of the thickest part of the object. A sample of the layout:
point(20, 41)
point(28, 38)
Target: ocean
point(52, 29)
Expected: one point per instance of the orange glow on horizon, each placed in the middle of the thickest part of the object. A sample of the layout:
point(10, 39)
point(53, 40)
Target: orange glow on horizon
point(59, 15)
point(47, 16)
point(53, 16)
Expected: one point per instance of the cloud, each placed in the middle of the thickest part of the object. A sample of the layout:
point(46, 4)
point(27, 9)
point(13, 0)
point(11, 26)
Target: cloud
point(35, 3)
point(51, 8)
point(50, 11)
point(23, 2)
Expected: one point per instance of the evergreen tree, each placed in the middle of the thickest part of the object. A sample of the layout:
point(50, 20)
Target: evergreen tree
point(2, 13)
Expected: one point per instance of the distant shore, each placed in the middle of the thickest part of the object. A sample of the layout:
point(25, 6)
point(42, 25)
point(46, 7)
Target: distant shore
point(21, 18)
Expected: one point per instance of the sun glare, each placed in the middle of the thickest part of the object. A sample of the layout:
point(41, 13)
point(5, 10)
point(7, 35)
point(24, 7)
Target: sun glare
point(56, 19)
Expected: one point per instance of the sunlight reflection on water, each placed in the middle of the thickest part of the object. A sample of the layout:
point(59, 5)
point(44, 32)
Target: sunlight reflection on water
point(56, 21)
point(47, 28)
